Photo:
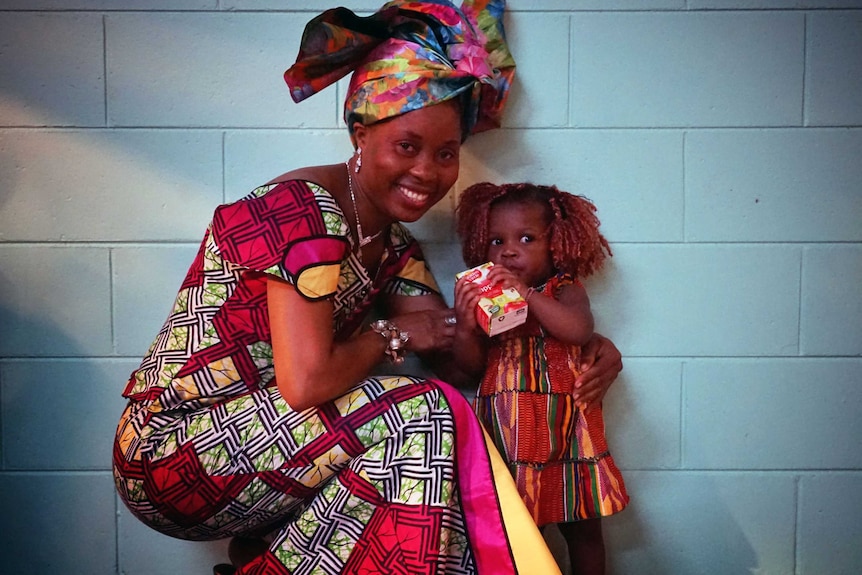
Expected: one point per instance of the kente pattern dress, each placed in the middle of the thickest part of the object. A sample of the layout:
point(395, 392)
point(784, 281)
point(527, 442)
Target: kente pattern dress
point(207, 448)
point(556, 452)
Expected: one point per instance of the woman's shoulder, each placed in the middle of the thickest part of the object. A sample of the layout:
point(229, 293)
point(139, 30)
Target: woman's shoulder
point(322, 183)
point(293, 209)
point(327, 177)
point(299, 195)
point(293, 190)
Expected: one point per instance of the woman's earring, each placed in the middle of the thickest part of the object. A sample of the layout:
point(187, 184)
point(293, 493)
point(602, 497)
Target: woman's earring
point(358, 163)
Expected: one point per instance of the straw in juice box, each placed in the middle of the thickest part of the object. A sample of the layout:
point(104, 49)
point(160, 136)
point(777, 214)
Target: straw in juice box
point(499, 309)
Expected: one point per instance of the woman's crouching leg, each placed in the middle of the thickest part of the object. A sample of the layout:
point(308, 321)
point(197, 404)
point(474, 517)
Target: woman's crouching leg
point(365, 477)
point(207, 474)
point(395, 501)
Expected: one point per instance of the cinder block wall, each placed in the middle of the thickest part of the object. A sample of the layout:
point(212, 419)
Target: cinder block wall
point(721, 140)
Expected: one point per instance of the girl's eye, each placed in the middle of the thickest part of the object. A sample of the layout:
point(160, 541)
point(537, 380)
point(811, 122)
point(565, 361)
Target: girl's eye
point(526, 239)
point(496, 242)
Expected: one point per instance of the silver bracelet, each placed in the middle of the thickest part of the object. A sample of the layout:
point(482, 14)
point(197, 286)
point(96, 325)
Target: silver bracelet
point(396, 340)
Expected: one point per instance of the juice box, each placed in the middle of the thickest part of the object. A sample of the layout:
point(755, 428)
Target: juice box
point(498, 309)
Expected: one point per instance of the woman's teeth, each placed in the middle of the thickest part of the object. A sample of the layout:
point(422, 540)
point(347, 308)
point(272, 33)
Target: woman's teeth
point(415, 197)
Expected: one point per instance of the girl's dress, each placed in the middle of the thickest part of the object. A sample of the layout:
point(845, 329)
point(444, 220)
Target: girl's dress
point(556, 452)
point(394, 472)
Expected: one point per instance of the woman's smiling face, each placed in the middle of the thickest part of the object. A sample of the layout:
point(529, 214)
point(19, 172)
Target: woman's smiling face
point(409, 162)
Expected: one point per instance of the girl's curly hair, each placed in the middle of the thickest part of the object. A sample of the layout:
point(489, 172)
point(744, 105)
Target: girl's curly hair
point(577, 247)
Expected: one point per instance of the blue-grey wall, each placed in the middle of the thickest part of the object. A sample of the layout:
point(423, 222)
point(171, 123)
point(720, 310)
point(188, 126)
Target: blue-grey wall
point(720, 139)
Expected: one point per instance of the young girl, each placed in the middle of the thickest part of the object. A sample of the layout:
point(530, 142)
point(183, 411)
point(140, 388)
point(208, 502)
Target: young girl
point(541, 240)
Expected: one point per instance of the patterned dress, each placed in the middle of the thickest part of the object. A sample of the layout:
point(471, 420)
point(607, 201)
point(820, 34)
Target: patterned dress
point(556, 452)
point(207, 448)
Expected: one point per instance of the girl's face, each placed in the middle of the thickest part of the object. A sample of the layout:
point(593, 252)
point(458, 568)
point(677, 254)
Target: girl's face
point(410, 161)
point(519, 238)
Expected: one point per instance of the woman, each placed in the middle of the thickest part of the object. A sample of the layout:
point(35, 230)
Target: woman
point(254, 412)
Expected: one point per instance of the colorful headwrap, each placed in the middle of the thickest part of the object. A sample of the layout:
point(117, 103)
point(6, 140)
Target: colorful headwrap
point(409, 55)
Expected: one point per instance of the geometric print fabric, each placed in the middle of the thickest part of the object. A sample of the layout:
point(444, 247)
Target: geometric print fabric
point(215, 343)
point(207, 447)
point(357, 483)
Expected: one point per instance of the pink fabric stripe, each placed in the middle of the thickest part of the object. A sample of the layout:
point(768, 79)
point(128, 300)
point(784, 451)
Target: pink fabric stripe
point(488, 538)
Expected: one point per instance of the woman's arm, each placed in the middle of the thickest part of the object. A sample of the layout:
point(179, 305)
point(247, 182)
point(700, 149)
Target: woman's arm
point(601, 363)
point(310, 367)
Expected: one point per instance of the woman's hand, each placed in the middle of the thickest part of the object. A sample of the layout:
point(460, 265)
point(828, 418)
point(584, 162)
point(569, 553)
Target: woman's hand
point(430, 330)
point(432, 333)
point(601, 363)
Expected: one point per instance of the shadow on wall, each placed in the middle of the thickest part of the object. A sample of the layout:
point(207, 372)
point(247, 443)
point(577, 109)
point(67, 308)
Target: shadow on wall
point(55, 489)
point(649, 538)
point(61, 513)
point(613, 321)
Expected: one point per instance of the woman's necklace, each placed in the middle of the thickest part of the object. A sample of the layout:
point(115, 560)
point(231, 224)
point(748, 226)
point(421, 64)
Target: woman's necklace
point(363, 240)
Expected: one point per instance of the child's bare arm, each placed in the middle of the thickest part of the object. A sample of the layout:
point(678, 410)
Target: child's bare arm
point(568, 318)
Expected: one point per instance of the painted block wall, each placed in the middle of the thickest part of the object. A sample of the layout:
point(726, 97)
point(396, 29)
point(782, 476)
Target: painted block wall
point(720, 139)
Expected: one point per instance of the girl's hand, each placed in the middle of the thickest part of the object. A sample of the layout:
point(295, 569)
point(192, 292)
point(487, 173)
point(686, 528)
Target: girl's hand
point(467, 297)
point(470, 342)
point(503, 276)
point(601, 363)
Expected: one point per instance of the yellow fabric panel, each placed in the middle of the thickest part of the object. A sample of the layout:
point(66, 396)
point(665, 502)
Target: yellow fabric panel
point(417, 271)
point(318, 281)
